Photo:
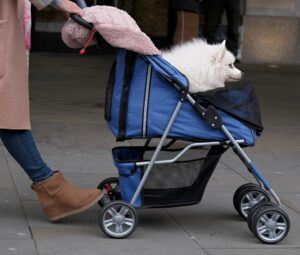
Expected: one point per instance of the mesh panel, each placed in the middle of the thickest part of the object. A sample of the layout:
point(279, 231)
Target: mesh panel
point(176, 175)
point(183, 182)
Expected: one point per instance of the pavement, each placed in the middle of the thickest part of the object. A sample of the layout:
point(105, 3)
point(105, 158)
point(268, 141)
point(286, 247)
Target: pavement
point(67, 102)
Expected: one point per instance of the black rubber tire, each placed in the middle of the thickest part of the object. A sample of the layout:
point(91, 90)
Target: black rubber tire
point(255, 209)
point(243, 194)
point(239, 190)
point(263, 211)
point(113, 194)
point(117, 203)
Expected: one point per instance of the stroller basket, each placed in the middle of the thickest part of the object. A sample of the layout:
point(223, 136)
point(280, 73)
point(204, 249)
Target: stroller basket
point(177, 184)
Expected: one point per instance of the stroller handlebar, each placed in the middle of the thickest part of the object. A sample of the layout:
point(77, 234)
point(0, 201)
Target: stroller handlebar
point(82, 21)
point(81, 3)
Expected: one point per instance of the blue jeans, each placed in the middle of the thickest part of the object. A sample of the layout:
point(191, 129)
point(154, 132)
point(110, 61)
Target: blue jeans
point(21, 146)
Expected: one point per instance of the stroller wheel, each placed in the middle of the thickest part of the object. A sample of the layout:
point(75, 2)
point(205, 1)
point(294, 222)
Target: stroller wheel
point(256, 209)
point(118, 219)
point(241, 189)
point(270, 225)
point(111, 187)
point(250, 197)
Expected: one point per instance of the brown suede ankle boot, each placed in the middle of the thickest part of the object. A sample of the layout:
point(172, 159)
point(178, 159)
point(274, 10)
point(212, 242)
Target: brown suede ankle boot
point(60, 198)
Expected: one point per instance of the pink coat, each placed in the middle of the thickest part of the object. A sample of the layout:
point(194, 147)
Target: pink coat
point(14, 94)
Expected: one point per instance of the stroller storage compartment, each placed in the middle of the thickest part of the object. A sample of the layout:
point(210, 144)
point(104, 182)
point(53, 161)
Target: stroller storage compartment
point(169, 184)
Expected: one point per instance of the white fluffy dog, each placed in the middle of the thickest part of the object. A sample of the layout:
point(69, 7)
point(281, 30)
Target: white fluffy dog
point(206, 66)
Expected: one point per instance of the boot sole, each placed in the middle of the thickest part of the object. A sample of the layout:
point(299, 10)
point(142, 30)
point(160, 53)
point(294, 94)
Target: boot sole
point(81, 209)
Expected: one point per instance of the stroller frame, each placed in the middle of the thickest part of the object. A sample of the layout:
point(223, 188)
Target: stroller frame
point(259, 210)
point(235, 144)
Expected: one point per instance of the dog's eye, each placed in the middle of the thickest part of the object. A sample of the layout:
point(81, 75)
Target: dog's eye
point(230, 65)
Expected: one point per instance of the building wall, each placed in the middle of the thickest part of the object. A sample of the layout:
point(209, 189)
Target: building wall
point(152, 16)
point(273, 7)
point(272, 32)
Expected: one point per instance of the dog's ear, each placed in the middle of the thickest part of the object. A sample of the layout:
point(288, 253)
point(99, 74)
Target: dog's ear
point(223, 44)
point(219, 53)
point(223, 50)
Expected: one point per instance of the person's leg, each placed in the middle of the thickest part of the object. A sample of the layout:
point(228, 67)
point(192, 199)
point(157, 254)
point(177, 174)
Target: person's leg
point(234, 17)
point(20, 144)
point(58, 197)
point(213, 14)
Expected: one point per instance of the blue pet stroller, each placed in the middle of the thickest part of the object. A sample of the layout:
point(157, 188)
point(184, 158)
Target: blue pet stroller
point(148, 99)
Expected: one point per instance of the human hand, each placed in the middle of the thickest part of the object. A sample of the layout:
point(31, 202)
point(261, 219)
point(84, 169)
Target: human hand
point(67, 6)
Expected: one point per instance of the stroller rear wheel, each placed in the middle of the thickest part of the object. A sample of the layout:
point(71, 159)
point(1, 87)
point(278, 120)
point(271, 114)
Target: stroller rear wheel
point(248, 198)
point(112, 188)
point(118, 219)
point(270, 224)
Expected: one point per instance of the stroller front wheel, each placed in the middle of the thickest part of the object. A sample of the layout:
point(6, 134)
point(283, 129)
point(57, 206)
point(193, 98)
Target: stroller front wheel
point(240, 190)
point(256, 209)
point(270, 224)
point(248, 198)
point(118, 219)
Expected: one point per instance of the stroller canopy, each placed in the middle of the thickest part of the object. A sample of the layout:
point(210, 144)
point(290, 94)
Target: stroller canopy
point(238, 100)
point(141, 98)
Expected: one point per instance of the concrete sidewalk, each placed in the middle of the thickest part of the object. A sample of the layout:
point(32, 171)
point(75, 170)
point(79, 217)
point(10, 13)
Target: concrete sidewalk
point(67, 99)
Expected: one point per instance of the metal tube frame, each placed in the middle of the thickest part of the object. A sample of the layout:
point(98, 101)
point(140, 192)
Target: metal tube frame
point(250, 165)
point(156, 152)
point(184, 150)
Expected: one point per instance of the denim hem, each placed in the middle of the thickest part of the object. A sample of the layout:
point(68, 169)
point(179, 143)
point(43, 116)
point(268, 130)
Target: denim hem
point(42, 178)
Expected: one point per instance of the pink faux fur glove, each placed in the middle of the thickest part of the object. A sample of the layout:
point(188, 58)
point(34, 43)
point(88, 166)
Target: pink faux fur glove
point(117, 27)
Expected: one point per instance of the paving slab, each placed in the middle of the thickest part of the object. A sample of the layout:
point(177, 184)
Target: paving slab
point(71, 161)
point(82, 112)
point(224, 176)
point(6, 182)
point(13, 224)
point(292, 200)
point(17, 247)
point(215, 224)
point(268, 162)
point(70, 245)
point(81, 136)
point(284, 183)
point(264, 251)
point(80, 234)
point(3, 164)
point(154, 223)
